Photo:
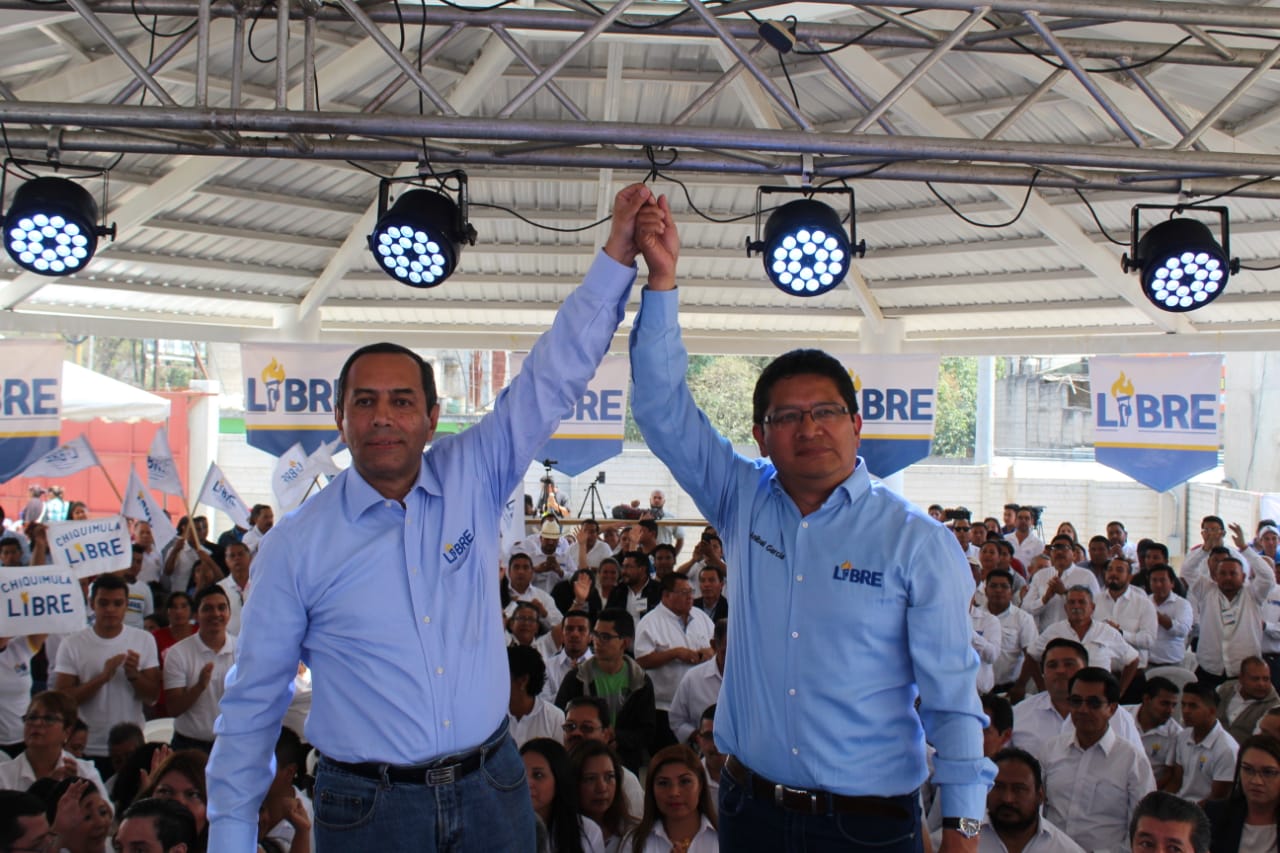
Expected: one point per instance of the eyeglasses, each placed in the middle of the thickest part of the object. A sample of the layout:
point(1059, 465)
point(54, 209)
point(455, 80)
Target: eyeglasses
point(1060, 547)
point(1268, 774)
point(1094, 703)
point(524, 618)
point(46, 719)
point(823, 415)
point(586, 728)
point(962, 529)
point(605, 636)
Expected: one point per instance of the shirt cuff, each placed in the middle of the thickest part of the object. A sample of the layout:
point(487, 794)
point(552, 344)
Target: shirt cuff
point(233, 836)
point(967, 795)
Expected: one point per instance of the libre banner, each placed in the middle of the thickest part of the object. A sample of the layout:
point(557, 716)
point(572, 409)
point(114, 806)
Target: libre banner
point(40, 600)
point(288, 394)
point(87, 548)
point(593, 432)
point(30, 403)
point(896, 398)
point(1156, 419)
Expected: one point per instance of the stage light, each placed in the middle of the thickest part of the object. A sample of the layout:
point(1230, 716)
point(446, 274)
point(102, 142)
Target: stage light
point(1180, 264)
point(52, 227)
point(418, 241)
point(805, 249)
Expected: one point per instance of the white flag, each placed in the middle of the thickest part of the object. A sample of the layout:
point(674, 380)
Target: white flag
point(162, 471)
point(139, 505)
point(75, 455)
point(321, 460)
point(218, 493)
point(290, 479)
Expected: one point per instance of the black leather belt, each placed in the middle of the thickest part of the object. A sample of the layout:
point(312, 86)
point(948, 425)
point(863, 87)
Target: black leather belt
point(443, 772)
point(813, 802)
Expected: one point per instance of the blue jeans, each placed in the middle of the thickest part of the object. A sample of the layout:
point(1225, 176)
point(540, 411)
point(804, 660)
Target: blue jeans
point(487, 810)
point(749, 824)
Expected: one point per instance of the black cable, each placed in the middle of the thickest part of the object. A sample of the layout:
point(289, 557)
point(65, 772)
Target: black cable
point(541, 225)
point(785, 73)
point(462, 8)
point(1133, 66)
point(1260, 269)
point(1098, 221)
point(1231, 191)
point(1026, 199)
point(262, 7)
point(400, 20)
point(133, 5)
point(1244, 35)
point(850, 43)
point(854, 175)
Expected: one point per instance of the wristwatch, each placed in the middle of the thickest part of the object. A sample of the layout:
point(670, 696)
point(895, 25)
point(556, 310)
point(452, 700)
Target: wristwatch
point(966, 826)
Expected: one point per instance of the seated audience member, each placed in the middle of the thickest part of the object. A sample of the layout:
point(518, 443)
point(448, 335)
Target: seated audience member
point(986, 637)
point(236, 583)
point(554, 791)
point(1244, 700)
point(1173, 618)
point(607, 576)
point(678, 812)
point(79, 738)
point(620, 682)
point(578, 592)
point(1127, 609)
point(551, 554)
point(156, 826)
point(180, 777)
point(1149, 556)
point(708, 552)
point(713, 760)
point(23, 825)
point(586, 719)
point(599, 773)
point(670, 640)
point(591, 548)
point(1246, 821)
point(1046, 595)
point(1013, 809)
point(1270, 723)
point(1094, 778)
point(1159, 729)
point(520, 584)
point(530, 716)
point(1205, 755)
point(261, 519)
point(16, 655)
point(1107, 649)
point(636, 592)
point(699, 687)
point(663, 557)
point(79, 816)
point(1164, 822)
point(997, 735)
point(575, 647)
point(123, 741)
point(711, 600)
point(45, 728)
point(195, 671)
point(286, 813)
point(110, 669)
point(1017, 629)
point(523, 628)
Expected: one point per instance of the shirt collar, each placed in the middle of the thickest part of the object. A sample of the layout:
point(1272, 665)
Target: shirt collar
point(359, 496)
point(854, 486)
point(661, 831)
point(1105, 743)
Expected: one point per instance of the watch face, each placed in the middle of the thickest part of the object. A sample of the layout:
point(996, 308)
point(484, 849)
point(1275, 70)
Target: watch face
point(966, 826)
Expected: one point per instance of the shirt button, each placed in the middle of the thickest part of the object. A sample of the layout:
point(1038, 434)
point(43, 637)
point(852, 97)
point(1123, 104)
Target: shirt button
point(805, 525)
point(387, 503)
point(426, 620)
point(447, 724)
point(795, 635)
point(439, 670)
point(791, 692)
point(794, 750)
point(799, 578)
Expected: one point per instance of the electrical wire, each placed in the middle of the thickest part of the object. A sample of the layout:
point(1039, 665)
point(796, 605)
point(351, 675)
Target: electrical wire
point(541, 225)
point(1098, 221)
point(133, 6)
point(785, 73)
point(1229, 192)
point(1026, 199)
point(850, 43)
point(262, 7)
point(1260, 269)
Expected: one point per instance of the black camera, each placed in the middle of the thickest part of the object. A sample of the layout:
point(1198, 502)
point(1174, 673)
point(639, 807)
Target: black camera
point(958, 514)
point(600, 477)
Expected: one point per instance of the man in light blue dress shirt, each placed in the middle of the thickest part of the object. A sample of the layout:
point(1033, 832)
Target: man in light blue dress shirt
point(386, 585)
point(848, 604)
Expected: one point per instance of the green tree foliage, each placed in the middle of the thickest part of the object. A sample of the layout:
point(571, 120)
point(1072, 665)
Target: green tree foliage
point(955, 421)
point(721, 386)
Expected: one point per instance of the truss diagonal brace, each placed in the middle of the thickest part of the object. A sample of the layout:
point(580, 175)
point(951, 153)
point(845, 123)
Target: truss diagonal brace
point(366, 23)
point(523, 55)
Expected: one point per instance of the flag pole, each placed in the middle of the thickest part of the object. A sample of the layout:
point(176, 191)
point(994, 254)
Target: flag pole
point(110, 482)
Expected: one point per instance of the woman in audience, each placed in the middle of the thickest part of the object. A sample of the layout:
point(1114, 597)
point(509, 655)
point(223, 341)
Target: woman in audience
point(77, 511)
point(678, 813)
point(181, 777)
point(555, 798)
point(135, 772)
point(178, 609)
point(79, 816)
point(578, 592)
point(600, 798)
point(1069, 529)
point(45, 729)
point(1246, 821)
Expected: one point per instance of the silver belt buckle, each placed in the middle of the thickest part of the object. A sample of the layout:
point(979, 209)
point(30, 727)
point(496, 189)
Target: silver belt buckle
point(441, 775)
point(780, 791)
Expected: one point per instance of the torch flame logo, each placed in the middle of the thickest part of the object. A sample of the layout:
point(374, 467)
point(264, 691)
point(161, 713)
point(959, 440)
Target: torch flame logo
point(857, 381)
point(1122, 387)
point(273, 372)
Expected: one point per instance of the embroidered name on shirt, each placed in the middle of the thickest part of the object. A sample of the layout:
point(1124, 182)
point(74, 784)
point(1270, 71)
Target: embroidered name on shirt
point(459, 549)
point(846, 572)
point(756, 538)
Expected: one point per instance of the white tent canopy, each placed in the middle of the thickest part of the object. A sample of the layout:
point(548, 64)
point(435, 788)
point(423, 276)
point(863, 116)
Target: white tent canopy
point(87, 394)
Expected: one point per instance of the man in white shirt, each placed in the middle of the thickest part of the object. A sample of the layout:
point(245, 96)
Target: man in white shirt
point(591, 548)
point(1013, 810)
point(587, 718)
point(553, 555)
point(1017, 627)
point(1107, 649)
point(1095, 779)
point(986, 639)
point(1230, 611)
point(1127, 609)
point(1026, 544)
point(530, 716)
point(1205, 758)
point(700, 687)
point(575, 636)
point(1154, 718)
point(962, 528)
point(238, 557)
point(670, 640)
point(520, 584)
point(1118, 542)
point(1046, 596)
point(152, 558)
point(1173, 619)
point(141, 602)
point(195, 671)
point(261, 519)
point(1243, 701)
point(110, 669)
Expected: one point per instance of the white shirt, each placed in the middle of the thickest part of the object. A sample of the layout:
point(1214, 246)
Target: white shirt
point(141, 604)
point(566, 558)
point(1018, 633)
point(1036, 723)
point(84, 654)
point(1211, 760)
point(15, 688)
point(1230, 629)
point(985, 640)
point(544, 720)
point(252, 537)
point(1170, 646)
point(1136, 616)
point(705, 841)
point(1107, 649)
point(533, 593)
point(236, 597)
point(1048, 839)
point(183, 567)
point(1159, 743)
point(1028, 548)
point(152, 566)
point(1055, 609)
point(698, 690)
point(17, 775)
point(182, 664)
point(598, 552)
point(558, 666)
point(592, 835)
point(1093, 792)
point(660, 630)
point(1271, 623)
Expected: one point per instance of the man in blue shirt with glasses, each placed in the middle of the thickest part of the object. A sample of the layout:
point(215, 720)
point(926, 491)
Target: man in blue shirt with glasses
point(848, 603)
point(386, 582)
